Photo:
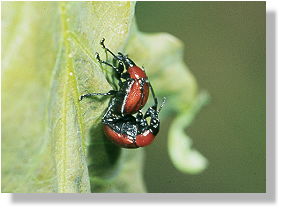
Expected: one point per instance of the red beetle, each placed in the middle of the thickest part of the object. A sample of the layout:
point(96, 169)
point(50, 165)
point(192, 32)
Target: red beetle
point(134, 90)
point(130, 131)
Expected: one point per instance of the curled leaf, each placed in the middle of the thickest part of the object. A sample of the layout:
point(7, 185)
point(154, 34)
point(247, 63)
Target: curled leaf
point(171, 78)
point(183, 155)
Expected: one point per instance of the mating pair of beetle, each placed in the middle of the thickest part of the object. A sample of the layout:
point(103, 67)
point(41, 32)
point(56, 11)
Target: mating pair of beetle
point(119, 123)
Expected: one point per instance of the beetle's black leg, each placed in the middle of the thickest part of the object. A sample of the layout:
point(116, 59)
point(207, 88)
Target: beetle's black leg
point(106, 63)
point(111, 92)
point(108, 50)
point(118, 69)
point(153, 112)
point(154, 96)
point(109, 116)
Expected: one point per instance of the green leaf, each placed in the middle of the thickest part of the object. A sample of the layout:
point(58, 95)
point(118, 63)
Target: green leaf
point(52, 142)
point(49, 137)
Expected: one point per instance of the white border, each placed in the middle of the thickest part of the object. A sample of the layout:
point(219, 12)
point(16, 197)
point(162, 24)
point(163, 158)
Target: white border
point(217, 201)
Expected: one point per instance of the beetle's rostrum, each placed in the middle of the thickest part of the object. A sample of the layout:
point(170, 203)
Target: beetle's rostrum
point(133, 91)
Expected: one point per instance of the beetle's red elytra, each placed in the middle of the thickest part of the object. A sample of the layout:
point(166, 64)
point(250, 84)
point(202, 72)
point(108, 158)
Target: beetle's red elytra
point(136, 97)
point(136, 72)
point(120, 139)
point(123, 140)
point(145, 138)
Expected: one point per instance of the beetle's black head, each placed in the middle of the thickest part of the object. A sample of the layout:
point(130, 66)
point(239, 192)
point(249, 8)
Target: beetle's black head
point(127, 61)
point(152, 112)
point(141, 121)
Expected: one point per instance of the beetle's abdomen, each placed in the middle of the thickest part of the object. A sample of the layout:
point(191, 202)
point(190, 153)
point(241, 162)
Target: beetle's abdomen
point(136, 97)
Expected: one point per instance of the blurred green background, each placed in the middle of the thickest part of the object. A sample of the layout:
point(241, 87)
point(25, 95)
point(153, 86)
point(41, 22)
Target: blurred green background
point(225, 50)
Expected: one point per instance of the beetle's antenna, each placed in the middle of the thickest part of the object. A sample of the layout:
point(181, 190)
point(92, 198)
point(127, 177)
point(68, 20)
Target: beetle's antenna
point(163, 102)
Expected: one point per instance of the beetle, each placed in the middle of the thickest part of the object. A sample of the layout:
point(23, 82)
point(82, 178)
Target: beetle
point(132, 131)
point(133, 92)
